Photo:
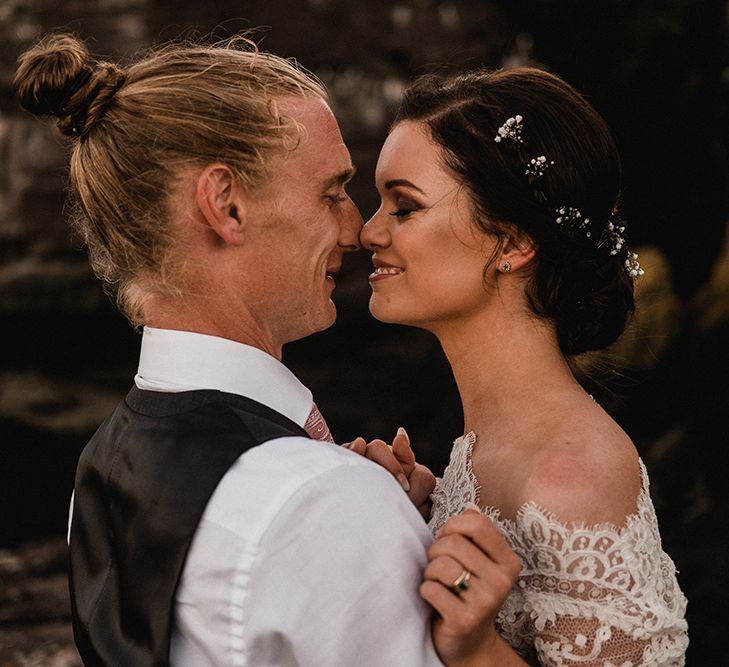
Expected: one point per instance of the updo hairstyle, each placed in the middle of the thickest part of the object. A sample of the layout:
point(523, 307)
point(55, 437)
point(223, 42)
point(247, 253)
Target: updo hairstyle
point(136, 128)
point(576, 282)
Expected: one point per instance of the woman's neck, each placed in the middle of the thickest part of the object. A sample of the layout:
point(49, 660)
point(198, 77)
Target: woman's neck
point(509, 370)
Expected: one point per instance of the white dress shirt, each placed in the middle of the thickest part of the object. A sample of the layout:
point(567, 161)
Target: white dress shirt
point(307, 554)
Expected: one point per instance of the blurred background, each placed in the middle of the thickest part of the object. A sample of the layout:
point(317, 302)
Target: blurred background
point(659, 74)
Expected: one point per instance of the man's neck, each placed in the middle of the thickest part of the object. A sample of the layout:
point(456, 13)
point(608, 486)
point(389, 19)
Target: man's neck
point(240, 327)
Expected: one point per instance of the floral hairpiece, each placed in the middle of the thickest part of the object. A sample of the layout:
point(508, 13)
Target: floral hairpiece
point(569, 216)
point(511, 129)
point(632, 266)
point(537, 166)
point(612, 236)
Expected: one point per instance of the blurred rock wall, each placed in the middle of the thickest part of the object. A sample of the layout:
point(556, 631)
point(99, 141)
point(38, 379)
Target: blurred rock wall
point(659, 74)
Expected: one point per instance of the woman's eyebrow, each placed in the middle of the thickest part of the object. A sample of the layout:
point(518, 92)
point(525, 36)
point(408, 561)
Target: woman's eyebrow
point(402, 182)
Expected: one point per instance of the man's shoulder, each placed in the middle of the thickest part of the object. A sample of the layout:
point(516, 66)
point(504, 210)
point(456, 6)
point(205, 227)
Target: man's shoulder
point(293, 462)
point(278, 472)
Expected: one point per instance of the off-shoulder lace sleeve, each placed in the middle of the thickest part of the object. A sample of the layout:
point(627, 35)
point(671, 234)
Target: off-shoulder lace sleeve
point(599, 595)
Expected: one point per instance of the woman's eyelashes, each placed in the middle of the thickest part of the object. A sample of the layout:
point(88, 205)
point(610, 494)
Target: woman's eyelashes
point(404, 208)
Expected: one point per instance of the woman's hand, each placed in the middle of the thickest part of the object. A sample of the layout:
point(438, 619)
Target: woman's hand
point(471, 550)
point(399, 460)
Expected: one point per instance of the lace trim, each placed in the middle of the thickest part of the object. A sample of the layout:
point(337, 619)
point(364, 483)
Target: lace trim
point(460, 467)
point(585, 592)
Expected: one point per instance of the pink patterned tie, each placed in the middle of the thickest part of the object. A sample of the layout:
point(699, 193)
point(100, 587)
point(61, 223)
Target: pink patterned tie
point(316, 427)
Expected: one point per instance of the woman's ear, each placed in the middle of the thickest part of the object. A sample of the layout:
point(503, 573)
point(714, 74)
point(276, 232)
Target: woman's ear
point(517, 252)
point(221, 203)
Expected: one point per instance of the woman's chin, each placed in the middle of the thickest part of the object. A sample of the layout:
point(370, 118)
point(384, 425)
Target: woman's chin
point(388, 315)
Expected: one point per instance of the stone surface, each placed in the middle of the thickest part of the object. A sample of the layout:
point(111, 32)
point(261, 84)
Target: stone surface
point(34, 608)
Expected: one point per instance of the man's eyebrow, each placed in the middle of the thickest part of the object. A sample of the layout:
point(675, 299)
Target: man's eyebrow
point(403, 183)
point(342, 178)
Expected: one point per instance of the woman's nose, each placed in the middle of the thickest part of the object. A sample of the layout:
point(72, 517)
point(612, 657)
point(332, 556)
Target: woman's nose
point(374, 234)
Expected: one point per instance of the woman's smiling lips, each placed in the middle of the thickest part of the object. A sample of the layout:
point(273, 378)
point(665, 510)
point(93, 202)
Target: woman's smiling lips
point(383, 270)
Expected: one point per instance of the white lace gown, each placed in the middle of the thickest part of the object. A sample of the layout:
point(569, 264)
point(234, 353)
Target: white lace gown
point(598, 595)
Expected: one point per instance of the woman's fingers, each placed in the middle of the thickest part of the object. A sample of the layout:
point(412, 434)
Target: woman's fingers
point(403, 451)
point(358, 445)
point(487, 585)
point(484, 535)
point(422, 483)
point(473, 541)
point(446, 570)
point(381, 453)
point(439, 597)
point(464, 551)
point(399, 460)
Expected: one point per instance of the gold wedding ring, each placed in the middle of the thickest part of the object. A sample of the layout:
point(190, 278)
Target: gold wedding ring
point(461, 583)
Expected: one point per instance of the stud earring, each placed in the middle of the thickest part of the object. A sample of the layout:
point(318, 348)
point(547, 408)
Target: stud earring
point(506, 267)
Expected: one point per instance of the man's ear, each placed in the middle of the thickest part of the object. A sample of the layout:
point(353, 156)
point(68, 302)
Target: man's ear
point(221, 203)
point(518, 251)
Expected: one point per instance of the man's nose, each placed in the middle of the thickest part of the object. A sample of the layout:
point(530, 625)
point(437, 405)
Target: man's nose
point(350, 227)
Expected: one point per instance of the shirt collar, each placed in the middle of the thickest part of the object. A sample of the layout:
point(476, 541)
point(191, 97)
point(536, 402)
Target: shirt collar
point(175, 361)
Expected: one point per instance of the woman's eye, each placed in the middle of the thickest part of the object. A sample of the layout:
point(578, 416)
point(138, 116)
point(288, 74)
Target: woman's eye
point(403, 212)
point(404, 207)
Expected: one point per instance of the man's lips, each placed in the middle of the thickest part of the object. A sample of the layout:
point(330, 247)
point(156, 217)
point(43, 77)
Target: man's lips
point(330, 271)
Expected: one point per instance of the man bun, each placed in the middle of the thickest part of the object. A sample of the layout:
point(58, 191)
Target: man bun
point(57, 77)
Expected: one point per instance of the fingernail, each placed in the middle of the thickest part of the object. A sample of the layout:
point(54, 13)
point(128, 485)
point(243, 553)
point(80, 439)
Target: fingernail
point(402, 431)
point(403, 482)
point(473, 506)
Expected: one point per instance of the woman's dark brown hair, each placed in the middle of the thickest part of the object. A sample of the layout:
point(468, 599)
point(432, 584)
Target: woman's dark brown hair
point(576, 282)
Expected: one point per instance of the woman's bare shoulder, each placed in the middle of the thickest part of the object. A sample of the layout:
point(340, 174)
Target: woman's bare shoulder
point(584, 473)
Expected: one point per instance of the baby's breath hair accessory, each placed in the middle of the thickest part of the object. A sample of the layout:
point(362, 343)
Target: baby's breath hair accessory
point(569, 216)
point(612, 236)
point(537, 166)
point(632, 266)
point(511, 129)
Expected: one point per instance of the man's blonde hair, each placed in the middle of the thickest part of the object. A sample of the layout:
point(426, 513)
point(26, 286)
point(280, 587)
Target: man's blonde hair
point(136, 128)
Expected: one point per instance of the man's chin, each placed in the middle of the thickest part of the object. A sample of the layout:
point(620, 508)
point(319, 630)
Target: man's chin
point(313, 323)
point(325, 319)
point(330, 317)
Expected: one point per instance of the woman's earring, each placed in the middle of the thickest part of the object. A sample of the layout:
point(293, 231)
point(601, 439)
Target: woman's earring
point(506, 267)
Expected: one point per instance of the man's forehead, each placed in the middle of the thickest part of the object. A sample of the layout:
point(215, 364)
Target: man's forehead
point(313, 116)
point(320, 146)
